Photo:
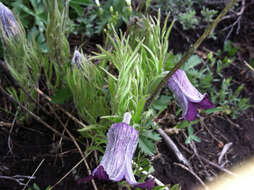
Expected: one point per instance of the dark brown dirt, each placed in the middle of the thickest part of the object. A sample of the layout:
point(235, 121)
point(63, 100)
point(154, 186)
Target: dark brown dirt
point(241, 134)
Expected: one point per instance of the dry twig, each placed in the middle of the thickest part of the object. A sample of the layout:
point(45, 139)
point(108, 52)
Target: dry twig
point(9, 136)
point(32, 177)
point(173, 147)
point(219, 167)
point(32, 114)
point(237, 22)
point(5, 124)
point(224, 151)
point(53, 186)
point(194, 174)
point(59, 107)
point(249, 66)
point(77, 145)
point(18, 178)
point(202, 123)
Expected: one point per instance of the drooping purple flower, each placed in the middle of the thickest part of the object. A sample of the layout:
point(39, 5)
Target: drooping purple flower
point(8, 22)
point(187, 95)
point(116, 164)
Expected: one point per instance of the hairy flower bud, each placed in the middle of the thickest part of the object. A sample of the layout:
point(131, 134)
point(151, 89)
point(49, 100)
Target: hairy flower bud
point(97, 3)
point(8, 22)
point(128, 2)
point(77, 59)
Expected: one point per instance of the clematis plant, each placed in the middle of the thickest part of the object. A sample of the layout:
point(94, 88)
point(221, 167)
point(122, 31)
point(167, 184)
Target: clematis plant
point(8, 22)
point(116, 162)
point(187, 95)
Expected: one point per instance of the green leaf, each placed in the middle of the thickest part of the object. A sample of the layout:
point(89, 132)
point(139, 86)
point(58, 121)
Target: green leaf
point(182, 124)
point(61, 96)
point(36, 187)
point(171, 61)
point(90, 127)
point(195, 138)
point(160, 187)
point(151, 135)
point(79, 10)
point(92, 148)
point(137, 117)
point(25, 9)
point(147, 145)
point(80, 2)
point(176, 187)
point(188, 140)
point(192, 62)
point(161, 103)
point(190, 130)
point(214, 110)
point(229, 48)
point(238, 90)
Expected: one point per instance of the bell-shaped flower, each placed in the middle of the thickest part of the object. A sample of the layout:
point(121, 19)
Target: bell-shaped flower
point(187, 95)
point(116, 164)
point(8, 22)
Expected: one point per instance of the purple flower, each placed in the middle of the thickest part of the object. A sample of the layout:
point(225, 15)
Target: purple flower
point(8, 22)
point(187, 95)
point(116, 163)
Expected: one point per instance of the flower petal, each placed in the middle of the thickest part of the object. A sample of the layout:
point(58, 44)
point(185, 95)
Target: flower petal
point(205, 103)
point(146, 185)
point(129, 175)
point(180, 97)
point(191, 113)
point(122, 142)
point(186, 86)
point(187, 95)
point(100, 173)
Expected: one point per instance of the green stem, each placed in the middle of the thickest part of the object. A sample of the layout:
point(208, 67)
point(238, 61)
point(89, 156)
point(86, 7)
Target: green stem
point(191, 50)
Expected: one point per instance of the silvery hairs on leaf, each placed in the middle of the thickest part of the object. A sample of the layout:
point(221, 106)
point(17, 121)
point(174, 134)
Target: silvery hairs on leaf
point(116, 164)
point(8, 22)
point(187, 95)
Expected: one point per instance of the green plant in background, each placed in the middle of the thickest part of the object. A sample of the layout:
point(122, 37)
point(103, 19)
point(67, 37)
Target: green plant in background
point(188, 19)
point(26, 60)
point(36, 187)
point(184, 12)
point(21, 56)
point(231, 101)
point(210, 77)
point(58, 55)
point(92, 17)
point(33, 16)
